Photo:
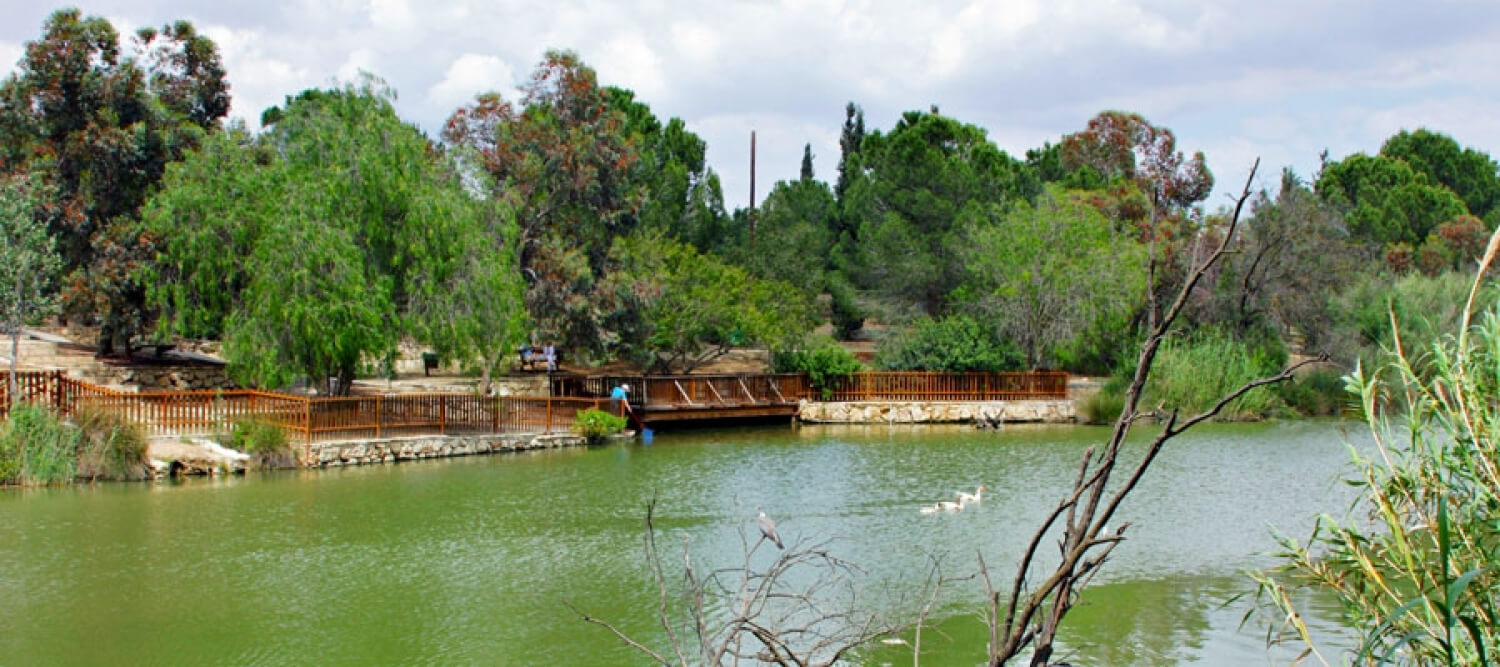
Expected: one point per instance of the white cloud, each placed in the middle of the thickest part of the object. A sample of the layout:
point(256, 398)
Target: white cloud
point(469, 75)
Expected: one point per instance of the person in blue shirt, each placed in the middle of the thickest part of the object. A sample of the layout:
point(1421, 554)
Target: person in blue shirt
point(619, 397)
point(550, 354)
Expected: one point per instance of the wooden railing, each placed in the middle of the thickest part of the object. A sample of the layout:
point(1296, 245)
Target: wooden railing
point(931, 386)
point(308, 419)
point(663, 392)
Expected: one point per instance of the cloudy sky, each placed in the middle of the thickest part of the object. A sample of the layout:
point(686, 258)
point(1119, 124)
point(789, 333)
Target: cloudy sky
point(1278, 79)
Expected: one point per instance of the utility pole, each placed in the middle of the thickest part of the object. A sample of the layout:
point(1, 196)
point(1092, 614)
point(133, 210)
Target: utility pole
point(752, 190)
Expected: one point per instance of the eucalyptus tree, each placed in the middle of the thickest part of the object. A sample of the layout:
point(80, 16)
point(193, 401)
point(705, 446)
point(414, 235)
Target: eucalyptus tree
point(99, 123)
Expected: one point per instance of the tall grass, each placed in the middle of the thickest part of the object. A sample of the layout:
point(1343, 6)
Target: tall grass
point(1416, 566)
point(110, 446)
point(36, 448)
point(1191, 374)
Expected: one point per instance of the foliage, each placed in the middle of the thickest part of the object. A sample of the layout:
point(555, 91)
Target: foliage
point(792, 240)
point(681, 196)
point(956, 344)
point(1104, 406)
point(28, 264)
point(595, 424)
point(1125, 146)
point(825, 362)
point(1470, 174)
point(1292, 255)
point(1051, 277)
point(1423, 307)
point(266, 443)
point(326, 239)
point(1191, 374)
point(100, 127)
point(37, 448)
point(694, 308)
point(1417, 568)
point(919, 180)
point(110, 446)
point(1385, 200)
point(1319, 393)
point(845, 314)
point(567, 162)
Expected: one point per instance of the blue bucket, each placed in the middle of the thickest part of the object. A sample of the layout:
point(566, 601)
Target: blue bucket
point(646, 434)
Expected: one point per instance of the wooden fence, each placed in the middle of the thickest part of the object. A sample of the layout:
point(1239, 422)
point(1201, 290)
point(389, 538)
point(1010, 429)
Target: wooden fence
point(664, 392)
point(306, 418)
point(931, 386)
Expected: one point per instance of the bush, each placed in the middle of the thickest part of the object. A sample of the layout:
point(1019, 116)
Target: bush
point(846, 315)
point(955, 344)
point(825, 363)
point(1192, 374)
point(1320, 393)
point(36, 447)
point(110, 446)
point(265, 442)
point(595, 424)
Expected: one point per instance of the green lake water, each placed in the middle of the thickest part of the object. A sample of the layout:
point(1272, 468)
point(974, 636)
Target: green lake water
point(473, 561)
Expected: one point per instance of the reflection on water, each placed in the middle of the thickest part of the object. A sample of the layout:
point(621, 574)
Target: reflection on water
point(474, 560)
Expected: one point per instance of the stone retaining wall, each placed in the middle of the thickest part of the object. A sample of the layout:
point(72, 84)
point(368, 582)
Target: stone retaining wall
point(925, 412)
point(327, 454)
point(172, 378)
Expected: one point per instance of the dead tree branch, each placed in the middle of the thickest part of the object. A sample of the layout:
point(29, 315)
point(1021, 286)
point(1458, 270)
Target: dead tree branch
point(1033, 613)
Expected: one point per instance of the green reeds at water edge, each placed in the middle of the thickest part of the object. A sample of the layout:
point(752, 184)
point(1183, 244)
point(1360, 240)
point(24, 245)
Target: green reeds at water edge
point(39, 448)
point(266, 443)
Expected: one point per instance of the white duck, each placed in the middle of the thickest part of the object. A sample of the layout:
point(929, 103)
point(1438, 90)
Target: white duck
point(975, 497)
point(941, 506)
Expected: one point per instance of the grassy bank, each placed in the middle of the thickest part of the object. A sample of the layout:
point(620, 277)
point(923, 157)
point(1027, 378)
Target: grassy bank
point(39, 448)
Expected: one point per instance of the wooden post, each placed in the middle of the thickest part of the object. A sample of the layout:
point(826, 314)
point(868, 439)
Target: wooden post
point(443, 414)
point(495, 414)
point(548, 427)
point(379, 417)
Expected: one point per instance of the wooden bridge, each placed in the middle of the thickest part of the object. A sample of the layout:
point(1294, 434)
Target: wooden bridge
point(654, 399)
point(669, 398)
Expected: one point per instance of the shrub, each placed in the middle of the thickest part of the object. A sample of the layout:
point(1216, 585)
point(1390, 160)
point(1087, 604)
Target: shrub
point(595, 424)
point(36, 447)
point(1191, 374)
point(825, 363)
point(265, 442)
point(110, 446)
point(846, 315)
point(955, 344)
point(1320, 393)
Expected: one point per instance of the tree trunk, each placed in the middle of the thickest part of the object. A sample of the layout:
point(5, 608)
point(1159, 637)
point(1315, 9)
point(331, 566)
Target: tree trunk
point(15, 351)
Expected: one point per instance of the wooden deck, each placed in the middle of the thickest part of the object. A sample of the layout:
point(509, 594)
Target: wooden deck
point(673, 398)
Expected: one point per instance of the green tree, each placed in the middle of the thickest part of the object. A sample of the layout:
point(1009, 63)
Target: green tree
point(28, 265)
point(1385, 200)
point(1053, 277)
point(807, 163)
point(567, 161)
point(1470, 174)
point(316, 247)
point(955, 344)
point(100, 128)
point(921, 178)
point(695, 308)
point(792, 235)
point(681, 195)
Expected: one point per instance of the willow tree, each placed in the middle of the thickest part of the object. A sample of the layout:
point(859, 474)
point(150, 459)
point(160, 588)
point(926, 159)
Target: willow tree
point(315, 247)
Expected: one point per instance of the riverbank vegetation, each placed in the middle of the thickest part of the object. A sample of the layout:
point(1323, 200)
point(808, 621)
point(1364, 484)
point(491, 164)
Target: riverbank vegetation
point(1416, 564)
point(38, 448)
point(313, 246)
